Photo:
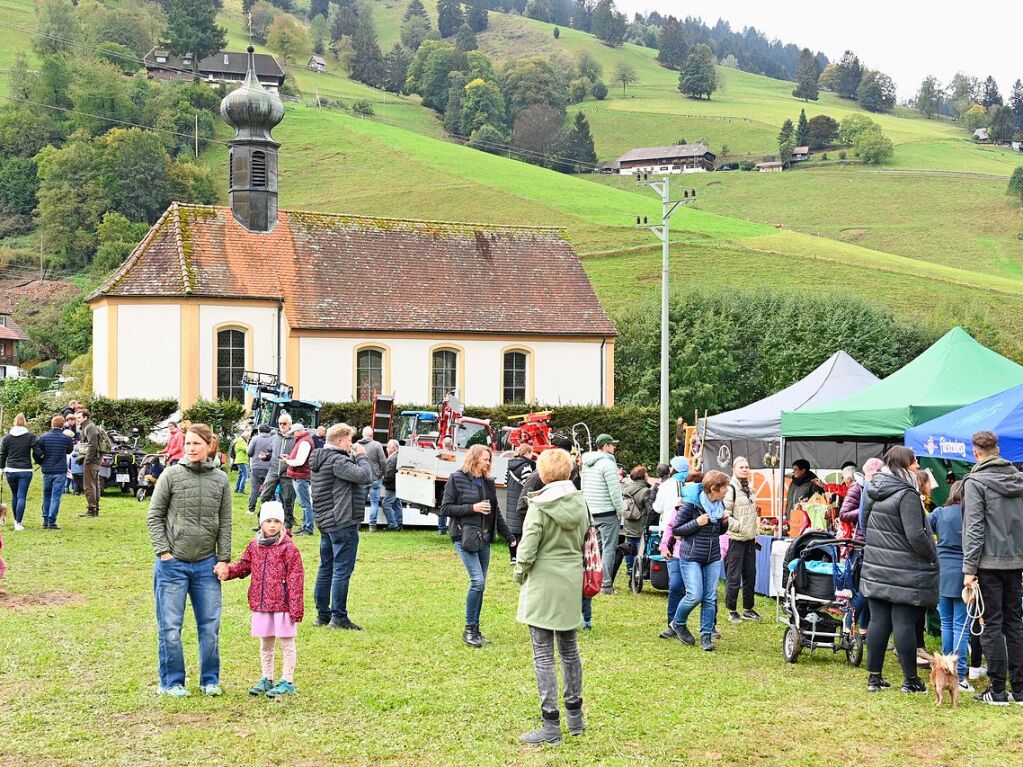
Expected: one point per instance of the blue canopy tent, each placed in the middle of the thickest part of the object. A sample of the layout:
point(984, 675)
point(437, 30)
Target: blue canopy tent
point(948, 437)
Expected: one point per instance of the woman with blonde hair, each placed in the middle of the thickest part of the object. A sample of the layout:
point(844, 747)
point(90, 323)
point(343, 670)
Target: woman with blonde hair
point(550, 569)
point(190, 529)
point(17, 449)
point(470, 502)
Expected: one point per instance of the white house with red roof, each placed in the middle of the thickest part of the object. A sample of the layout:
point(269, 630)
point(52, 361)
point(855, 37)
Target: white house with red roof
point(342, 307)
point(10, 334)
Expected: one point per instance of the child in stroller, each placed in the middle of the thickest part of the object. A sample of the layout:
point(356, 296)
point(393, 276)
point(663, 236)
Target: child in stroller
point(819, 588)
point(150, 469)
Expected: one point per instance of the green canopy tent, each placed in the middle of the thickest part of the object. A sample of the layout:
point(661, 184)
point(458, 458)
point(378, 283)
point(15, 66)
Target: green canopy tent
point(955, 371)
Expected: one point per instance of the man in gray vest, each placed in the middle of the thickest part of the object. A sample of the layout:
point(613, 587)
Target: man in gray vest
point(378, 464)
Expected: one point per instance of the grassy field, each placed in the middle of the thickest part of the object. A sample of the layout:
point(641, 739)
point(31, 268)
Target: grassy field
point(78, 672)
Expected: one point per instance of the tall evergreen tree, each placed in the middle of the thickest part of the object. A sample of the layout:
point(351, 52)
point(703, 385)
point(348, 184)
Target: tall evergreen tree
point(396, 68)
point(802, 129)
point(579, 145)
point(416, 8)
point(672, 46)
point(582, 16)
point(449, 17)
point(319, 8)
point(192, 28)
point(477, 15)
point(1016, 102)
point(850, 73)
point(808, 72)
point(465, 40)
point(608, 24)
point(698, 77)
point(990, 96)
point(367, 63)
point(786, 132)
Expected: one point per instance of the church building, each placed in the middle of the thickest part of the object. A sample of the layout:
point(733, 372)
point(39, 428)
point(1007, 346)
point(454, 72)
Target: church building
point(342, 307)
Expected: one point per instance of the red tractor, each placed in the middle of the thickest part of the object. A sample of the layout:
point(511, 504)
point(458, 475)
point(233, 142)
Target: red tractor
point(532, 429)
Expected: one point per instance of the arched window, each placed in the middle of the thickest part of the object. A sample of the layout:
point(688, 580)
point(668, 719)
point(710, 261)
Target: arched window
point(259, 169)
point(443, 374)
point(369, 374)
point(515, 369)
point(230, 364)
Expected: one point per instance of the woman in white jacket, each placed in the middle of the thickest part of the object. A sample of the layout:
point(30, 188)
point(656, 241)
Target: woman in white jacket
point(741, 558)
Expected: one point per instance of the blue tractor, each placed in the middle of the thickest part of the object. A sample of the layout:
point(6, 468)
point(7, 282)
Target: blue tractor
point(270, 398)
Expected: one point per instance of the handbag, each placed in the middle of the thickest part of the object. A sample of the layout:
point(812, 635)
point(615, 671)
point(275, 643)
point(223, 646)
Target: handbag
point(473, 538)
point(593, 566)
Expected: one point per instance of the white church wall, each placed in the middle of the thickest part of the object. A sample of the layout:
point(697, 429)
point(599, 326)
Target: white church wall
point(148, 350)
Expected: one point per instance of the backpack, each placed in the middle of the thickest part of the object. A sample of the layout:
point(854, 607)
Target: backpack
point(593, 566)
point(104, 444)
point(631, 511)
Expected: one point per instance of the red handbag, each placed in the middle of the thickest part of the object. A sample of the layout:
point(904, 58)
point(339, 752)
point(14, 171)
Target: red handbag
point(593, 566)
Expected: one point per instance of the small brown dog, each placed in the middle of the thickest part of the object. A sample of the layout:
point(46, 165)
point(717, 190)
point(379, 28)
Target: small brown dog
point(945, 676)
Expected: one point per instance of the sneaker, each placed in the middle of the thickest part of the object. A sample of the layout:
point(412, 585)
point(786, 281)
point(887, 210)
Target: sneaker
point(751, 615)
point(1015, 697)
point(346, 624)
point(177, 691)
point(261, 687)
point(607, 590)
point(685, 636)
point(966, 687)
point(514, 561)
point(876, 683)
point(914, 685)
point(373, 528)
point(734, 617)
point(668, 633)
point(705, 643)
point(280, 689)
point(993, 698)
point(976, 672)
point(588, 626)
point(18, 527)
point(212, 690)
point(54, 526)
point(321, 621)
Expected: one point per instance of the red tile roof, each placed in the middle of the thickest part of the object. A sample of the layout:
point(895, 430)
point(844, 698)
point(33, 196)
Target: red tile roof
point(10, 331)
point(341, 272)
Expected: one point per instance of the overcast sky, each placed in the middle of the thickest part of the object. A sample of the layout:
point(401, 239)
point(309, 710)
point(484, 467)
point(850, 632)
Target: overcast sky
point(907, 40)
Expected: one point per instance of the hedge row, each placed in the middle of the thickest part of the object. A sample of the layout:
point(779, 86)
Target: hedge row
point(634, 425)
point(123, 415)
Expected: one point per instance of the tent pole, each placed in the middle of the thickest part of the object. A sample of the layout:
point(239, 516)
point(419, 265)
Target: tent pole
point(781, 488)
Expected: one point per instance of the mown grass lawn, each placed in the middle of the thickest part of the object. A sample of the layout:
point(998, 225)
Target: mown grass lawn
point(79, 676)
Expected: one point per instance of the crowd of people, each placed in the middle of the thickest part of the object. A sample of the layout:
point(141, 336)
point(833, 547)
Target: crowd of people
point(968, 552)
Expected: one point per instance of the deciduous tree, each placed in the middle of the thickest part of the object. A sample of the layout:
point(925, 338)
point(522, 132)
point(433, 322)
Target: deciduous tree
point(821, 131)
point(537, 134)
point(876, 92)
point(56, 27)
point(624, 73)
point(288, 36)
point(1015, 187)
point(698, 77)
point(928, 98)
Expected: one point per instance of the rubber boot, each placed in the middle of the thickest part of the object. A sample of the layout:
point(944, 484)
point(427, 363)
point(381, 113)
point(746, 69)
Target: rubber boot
point(549, 732)
point(575, 720)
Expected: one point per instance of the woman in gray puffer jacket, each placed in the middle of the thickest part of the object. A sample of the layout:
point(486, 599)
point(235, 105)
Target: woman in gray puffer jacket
point(190, 528)
point(900, 566)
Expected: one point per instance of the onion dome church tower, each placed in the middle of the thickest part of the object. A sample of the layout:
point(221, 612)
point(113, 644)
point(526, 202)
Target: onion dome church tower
point(253, 112)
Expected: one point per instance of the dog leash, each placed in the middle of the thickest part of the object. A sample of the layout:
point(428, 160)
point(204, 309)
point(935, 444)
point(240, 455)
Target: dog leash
point(974, 612)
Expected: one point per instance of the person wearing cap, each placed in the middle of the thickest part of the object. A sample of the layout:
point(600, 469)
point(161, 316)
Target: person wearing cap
point(602, 490)
point(276, 474)
point(680, 486)
point(299, 473)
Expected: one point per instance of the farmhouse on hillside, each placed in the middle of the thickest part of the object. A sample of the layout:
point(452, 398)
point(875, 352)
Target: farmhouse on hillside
point(800, 153)
point(981, 135)
point(770, 166)
point(678, 158)
point(221, 67)
point(10, 334)
point(317, 63)
point(341, 306)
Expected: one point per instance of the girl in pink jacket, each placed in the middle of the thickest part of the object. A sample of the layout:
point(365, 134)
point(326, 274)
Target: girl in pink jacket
point(275, 596)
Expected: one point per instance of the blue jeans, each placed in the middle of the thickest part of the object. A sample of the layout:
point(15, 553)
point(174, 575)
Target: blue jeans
point(588, 609)
point(442, 524)
point(631, 541)
point(173, 580)
point(305, 501)
point(243, 475)
point(676, 588)
point(374, 502)
point(701, 581)
point(476, 564)
point(19, 482)
point(53, 490)
point(337, 563)
point(953, 617)
point(392, 504)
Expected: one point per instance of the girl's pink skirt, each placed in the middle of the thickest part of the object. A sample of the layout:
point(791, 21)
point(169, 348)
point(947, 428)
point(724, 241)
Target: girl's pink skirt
point(3, 567)
point(273, 625)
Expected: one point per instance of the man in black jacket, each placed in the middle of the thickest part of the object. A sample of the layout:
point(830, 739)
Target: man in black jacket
point(55, 447)
point(993, 557)
point(341, 472)
point(88, 433)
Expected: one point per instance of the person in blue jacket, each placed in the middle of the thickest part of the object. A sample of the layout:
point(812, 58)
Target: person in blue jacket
point(947, 524)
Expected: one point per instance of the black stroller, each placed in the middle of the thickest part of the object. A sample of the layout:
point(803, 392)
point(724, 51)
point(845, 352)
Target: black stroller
point(648, 563)
point(820, 580)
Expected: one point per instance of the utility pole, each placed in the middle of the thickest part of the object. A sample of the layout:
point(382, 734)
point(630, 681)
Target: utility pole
point(197, 135)
point(662, 231)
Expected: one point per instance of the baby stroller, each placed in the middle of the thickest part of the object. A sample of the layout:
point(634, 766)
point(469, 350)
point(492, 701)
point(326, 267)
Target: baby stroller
point(818, 591)
point(649, 564)
point(150, 468)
